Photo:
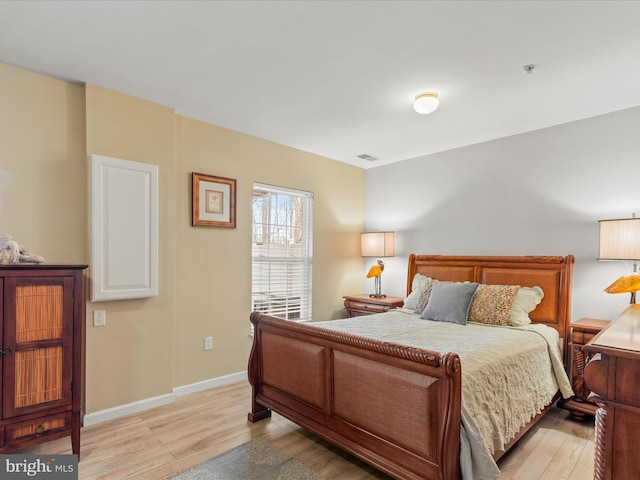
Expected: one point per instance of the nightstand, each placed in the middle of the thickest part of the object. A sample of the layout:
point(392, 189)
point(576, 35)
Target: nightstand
point(582, 331)
point(363, 304)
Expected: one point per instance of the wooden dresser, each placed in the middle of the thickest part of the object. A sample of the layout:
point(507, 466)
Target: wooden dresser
point(41, 349)
point(613, 375)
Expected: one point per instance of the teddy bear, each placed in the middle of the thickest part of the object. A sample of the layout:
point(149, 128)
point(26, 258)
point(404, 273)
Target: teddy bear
point(11, 252)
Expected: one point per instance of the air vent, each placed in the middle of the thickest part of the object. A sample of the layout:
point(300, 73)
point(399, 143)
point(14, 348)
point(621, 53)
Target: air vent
point(369, 158)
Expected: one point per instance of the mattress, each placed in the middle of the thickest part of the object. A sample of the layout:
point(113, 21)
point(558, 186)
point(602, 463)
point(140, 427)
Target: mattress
point(509, 374)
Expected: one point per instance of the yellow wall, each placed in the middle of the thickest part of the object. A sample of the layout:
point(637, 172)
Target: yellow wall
point(214, 291)
point(131, 358)
point(42, 165)
point(150, 346)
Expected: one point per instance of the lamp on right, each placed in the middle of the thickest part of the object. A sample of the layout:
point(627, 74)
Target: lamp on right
point(620, 240)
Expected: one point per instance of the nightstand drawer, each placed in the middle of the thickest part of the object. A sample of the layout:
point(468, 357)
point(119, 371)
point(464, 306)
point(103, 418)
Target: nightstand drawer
point(581, 338)
point(363, 304)
point(367, 307)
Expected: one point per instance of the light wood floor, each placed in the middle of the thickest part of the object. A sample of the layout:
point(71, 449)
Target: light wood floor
point(158, 443)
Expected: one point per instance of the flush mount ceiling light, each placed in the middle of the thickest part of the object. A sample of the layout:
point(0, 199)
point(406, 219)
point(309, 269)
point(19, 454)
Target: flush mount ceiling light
point(426, 102)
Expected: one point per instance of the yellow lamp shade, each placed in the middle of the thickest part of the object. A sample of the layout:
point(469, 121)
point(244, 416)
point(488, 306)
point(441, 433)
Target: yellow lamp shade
point(626, 284)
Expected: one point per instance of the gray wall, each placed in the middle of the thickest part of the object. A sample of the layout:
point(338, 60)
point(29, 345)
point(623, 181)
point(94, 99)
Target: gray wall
point(539, 193)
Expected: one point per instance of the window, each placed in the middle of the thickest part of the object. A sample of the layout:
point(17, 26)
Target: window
point(281, 247)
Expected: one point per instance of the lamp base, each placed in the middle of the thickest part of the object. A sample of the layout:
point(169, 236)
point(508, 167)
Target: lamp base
point(378, 295)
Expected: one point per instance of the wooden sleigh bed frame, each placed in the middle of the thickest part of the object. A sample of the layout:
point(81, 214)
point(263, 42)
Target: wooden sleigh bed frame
point(396, 407)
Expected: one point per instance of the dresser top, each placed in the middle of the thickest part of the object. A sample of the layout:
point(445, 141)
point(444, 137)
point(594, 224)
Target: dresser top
point(623, 333)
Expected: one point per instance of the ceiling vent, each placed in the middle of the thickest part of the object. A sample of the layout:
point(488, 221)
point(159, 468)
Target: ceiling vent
point(369, 158)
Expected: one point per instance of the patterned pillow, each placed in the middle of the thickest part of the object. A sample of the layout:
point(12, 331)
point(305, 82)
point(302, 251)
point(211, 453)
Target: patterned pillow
point(492, 303)
point(424, 296)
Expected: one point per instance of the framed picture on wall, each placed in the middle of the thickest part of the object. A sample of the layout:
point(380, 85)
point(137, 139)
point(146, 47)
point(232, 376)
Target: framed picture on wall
point(213, 201)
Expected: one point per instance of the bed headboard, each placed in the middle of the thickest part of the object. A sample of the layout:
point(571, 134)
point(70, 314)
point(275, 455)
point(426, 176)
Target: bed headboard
point(552, 274)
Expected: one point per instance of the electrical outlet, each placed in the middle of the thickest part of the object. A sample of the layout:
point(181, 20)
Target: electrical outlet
point(99, 318)
point(208, 343)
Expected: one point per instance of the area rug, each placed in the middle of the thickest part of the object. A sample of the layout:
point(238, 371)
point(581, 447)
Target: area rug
point(255, 460)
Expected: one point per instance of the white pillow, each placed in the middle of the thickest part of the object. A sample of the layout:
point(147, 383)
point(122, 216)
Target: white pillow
point(418, 285)
point(527, 299)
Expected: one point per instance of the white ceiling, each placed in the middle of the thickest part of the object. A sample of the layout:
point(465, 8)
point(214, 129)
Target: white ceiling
point(337, 78)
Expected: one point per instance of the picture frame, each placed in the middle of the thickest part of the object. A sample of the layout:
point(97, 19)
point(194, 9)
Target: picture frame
point(213, 202)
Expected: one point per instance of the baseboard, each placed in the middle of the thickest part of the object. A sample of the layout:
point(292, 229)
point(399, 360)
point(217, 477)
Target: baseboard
point(211, 383)
point(148, 403)
point(124, 410)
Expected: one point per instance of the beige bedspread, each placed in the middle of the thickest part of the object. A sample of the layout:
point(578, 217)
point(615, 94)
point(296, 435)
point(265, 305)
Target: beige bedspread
point(496, 401)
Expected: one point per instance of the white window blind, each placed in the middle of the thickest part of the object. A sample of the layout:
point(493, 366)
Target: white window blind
point(282, 252)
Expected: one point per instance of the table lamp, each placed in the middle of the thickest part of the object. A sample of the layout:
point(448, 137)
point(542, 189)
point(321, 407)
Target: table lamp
point(620, 240)
point(377, 244)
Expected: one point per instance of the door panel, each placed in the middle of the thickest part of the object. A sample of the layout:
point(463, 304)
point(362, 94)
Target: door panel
point(38, 315)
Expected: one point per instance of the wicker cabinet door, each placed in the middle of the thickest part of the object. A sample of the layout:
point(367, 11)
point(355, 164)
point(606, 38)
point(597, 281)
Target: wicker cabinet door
point(38, 327)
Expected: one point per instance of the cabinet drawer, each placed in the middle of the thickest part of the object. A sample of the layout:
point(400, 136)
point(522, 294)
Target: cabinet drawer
point(581, 338)
point(37, 428)
point(367, 307)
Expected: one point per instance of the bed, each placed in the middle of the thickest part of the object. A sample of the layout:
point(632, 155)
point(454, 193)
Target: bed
point(396, 406)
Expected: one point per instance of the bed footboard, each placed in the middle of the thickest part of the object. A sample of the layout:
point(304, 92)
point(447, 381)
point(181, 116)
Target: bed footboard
point(393, 406)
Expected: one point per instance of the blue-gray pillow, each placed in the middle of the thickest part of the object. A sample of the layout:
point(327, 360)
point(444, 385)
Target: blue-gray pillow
point(449, 302)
